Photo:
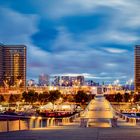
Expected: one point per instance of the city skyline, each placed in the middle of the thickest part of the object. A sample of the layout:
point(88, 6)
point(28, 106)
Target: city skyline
point(94, 39)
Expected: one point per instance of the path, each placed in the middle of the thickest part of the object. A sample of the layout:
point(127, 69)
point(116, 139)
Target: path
point(74, 133)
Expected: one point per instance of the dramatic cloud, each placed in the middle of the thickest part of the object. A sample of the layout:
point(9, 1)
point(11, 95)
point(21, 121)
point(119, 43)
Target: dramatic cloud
point(94, 38)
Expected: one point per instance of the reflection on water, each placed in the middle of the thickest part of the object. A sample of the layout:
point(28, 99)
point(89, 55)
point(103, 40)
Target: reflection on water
point(99, 112)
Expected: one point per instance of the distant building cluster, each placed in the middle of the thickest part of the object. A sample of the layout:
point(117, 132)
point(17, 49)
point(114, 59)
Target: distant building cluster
point(64, 81)
point(68, 81)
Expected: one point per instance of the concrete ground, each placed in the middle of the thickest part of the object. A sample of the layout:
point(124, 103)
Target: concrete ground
point(71, 132)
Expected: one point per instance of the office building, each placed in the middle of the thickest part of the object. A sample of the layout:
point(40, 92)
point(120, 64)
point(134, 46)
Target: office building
point(12, 66)
point(137, 68)
point(44, 80)
point(56, 81)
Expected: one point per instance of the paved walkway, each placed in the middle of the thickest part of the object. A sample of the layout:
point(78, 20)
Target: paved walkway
point(74, 133)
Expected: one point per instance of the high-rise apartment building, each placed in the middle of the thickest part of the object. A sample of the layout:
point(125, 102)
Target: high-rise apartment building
point(137, 68)
point(13, 66)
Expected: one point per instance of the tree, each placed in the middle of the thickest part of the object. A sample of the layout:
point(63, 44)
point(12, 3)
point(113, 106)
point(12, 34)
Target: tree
point(25, 96)
point(2, 98)
point(54, 95)
point(14, 98)
point(110, 97)
point(69, 98)
point(126, 97)
point(118, 97)
point(30, 97)
point(81, 97)
point(137, 97)
point(43, 97)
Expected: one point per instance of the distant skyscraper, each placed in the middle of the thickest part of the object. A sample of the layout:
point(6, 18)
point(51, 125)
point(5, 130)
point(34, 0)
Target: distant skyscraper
point(80, 80)
point(57, 81)
point(137, 68)
point(13, 66)
point(44, 80)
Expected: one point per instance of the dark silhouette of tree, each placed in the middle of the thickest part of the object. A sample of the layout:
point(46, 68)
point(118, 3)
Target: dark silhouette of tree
point(43, 97)
point(110, 97)
point(25, 96)
point(2, 98)
point(54, 95)
point(14, 98)
point(30, 97)
point(118, 97)
point(137, 97)
point(81, 97)
point(126, 97)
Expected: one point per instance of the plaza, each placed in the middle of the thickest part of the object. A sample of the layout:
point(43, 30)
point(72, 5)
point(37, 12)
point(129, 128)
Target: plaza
point(74, 133)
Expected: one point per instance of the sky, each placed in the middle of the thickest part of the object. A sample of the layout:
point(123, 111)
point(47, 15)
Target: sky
point(94, 38)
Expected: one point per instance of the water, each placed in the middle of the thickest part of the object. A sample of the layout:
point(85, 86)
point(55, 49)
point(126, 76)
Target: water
point(99, 112)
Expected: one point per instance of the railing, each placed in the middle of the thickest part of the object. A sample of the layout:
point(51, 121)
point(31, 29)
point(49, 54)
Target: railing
point(129, 119)
point(17, 123)
point(86, 122)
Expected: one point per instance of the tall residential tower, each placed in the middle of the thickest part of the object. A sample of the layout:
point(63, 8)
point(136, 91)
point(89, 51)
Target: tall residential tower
point(137, 68)
point(13, 66)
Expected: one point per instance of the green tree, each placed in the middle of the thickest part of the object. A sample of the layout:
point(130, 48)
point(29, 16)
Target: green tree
point(81, 97)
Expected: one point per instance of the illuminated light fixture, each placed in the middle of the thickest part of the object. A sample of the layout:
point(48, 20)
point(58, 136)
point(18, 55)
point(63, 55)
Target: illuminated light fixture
point(33, 117)
point(40, 118)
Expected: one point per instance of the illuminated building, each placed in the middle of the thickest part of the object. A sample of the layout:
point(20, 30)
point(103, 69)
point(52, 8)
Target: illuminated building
point(80, 80)
point(31, 82)
point(137, 68)
point(44, 80)
point(13, 66)
point(68, 81)
point(56, 81)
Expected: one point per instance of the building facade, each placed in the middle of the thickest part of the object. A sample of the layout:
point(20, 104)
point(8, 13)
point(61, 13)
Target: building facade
point(13, 66)
point(44, 80)
point(137, 68)
point(67, 81)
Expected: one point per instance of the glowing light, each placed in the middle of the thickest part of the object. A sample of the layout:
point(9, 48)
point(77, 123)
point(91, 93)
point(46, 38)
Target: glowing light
point(39, 118)
point(33, 117)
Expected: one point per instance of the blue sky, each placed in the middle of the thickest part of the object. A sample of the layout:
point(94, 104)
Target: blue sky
point(94, 38)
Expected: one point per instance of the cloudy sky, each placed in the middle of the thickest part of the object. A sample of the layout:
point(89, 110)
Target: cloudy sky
point(95, 38)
